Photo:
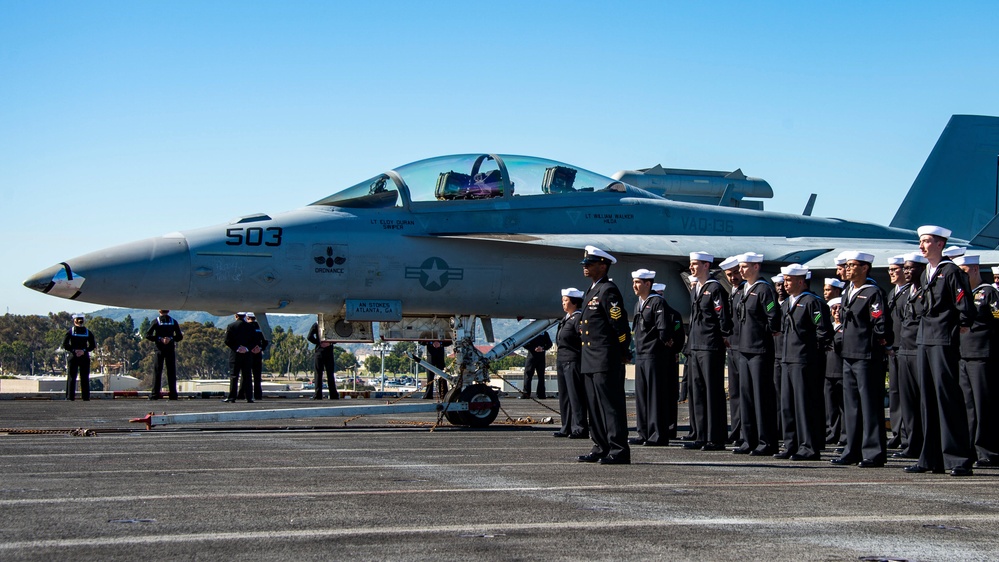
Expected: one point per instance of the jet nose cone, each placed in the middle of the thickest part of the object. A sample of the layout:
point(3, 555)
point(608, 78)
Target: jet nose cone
point(43, 280)
point(153, 273)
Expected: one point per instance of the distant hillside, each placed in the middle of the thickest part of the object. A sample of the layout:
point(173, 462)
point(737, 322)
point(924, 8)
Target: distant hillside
point(299, 323)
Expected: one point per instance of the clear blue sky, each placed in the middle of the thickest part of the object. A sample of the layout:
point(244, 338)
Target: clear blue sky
point(125, 120)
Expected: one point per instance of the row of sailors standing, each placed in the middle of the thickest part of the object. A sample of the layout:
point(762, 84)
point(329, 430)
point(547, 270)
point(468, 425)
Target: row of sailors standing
point(806, 371)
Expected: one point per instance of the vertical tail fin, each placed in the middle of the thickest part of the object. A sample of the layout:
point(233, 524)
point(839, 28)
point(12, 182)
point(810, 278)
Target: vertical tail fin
point(957, 187)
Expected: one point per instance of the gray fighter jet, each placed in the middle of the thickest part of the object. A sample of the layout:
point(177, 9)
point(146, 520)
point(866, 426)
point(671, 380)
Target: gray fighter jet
point(430, 246)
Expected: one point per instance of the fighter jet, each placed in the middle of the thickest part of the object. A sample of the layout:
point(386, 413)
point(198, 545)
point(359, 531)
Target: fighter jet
point(450, 239)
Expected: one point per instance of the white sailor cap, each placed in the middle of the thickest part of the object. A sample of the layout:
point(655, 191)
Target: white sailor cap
point(835, 301)
point(777, 279)
point(596, 255)
point(953, 251)
point(967, 259)
point(643, 274)
point(833, 282)
point(729, 263)
point(858, 256)
point(250, 315)
point(896, 260)
point(660, 287)
point(915, 257)
point(995, 270)
point(78, 316)
point(794, 270)
point(750, 257)
point(240, 314)
point(840, 259)
point(934, 230)
point(808, 275)
point(701, 256)
point(572, 293)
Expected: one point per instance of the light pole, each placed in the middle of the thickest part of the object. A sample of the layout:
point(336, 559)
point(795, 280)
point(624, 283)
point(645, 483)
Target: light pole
point(381, 348)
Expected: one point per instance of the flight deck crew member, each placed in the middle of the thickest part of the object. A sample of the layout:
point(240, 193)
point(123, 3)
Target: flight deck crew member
point(980, 364)
point(79, 342)
point(866, 335)
point(807, 332)
point(834, 378)
point(257, 355)
point(945, 309)
point(832, 288)
point(899, 287)
point(658, 335)
point(710, 322)
point(605, 343)
point(908, 373)
point(435, 356)
point(758, 314)
point(571, 387)
point(535, 364)
point(730, 266)
point(323, 361)
point(239, 338)
point(165, 333)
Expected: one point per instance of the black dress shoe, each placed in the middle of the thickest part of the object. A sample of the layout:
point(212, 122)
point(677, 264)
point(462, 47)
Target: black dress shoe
point(579, 436)
point(229, 401)
point(542, 397)
point(524, 396)
point(316, 398)
point(154, 397)
point(915, 469)
point(900, 455)
point(842, 462)
point(984, 463)
point(610, 459)
point(713, 447)
point(687, 438)
point(636, 441)
point(870, 463)
point(591, 457)
point(783, 456)
point(813, 457)
point(559, 434)
point(693, 445)
point(742, 451)
point(763, 452)
point(656, 443)
point(961, 471)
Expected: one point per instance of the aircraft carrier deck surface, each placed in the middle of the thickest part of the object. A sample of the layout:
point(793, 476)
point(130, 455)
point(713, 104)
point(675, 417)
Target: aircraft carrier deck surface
point(387, 488)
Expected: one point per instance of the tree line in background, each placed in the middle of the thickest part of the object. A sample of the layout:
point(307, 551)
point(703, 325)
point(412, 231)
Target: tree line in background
point(31, 345)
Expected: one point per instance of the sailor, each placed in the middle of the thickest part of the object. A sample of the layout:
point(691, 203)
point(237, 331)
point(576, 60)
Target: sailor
point(79, 342)
point(710, 322)
point(833, 388)
point(730, 266)
point(908, 374)
point(323, 360)
point(239, 338)
point(899, 288)
point(658, 336)
point(257, 357)
point(605, 341)
point(758, 313)
point(980, 363)
point(866, 335)
point(436, 357)
point(807, 332)
point(535, 364)
point(832, 288)
point(571, 386)
point(165, 333)
point(995, 276)
point(778, 284)
point(840, 262)
point(945, 309)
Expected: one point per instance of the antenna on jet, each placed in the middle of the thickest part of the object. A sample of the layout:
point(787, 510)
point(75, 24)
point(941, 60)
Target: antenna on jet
point(809, 206)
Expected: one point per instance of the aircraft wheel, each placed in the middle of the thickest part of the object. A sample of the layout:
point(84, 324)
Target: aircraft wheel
point(483, 405)
point(453, 417)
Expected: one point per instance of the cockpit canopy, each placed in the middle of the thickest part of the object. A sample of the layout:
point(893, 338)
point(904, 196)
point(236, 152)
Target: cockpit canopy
point(469, 177)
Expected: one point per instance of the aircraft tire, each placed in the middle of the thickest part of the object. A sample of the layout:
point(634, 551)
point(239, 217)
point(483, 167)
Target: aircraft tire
point(483, 405)
point(453, 417)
